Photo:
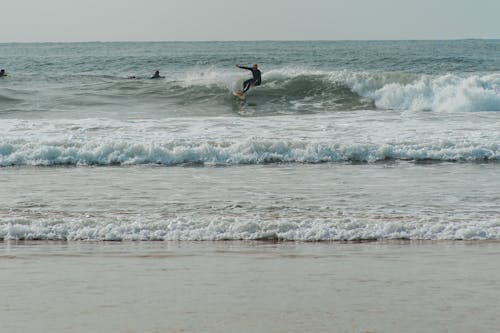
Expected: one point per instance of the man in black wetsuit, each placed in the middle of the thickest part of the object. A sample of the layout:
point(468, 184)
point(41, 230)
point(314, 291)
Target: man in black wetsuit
point(254, 81)
point(156, 75)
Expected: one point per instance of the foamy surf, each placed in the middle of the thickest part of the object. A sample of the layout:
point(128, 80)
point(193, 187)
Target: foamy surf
point(217, 228)
point(236, 141)
point(236, 153)
point(275, 202)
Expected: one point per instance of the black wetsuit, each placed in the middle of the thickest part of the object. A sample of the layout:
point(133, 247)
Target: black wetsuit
point(254, 81)
point(156, 75)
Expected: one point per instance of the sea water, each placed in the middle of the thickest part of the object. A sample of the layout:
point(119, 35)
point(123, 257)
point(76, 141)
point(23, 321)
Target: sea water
point(342, 141)
point(388, 286)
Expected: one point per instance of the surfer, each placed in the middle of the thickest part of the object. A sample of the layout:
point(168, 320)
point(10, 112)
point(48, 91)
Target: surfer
point(156, 75)
point(254, 81)
point(2, 72)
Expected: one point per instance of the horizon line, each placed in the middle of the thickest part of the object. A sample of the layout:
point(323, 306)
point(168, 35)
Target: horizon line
point(246, 40)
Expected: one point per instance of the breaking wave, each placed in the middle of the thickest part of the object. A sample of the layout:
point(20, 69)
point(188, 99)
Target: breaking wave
point(347, 90)
point(252, 151)
point(232, 224)
point(285, 90)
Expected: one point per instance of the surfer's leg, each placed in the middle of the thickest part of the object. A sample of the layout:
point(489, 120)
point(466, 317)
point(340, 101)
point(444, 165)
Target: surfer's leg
point(246, 85)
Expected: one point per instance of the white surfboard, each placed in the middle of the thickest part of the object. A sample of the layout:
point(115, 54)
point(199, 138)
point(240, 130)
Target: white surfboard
point(239, 95)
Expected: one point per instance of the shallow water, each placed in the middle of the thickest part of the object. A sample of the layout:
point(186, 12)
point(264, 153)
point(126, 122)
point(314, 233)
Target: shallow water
point(295, 202)
point(249, 287)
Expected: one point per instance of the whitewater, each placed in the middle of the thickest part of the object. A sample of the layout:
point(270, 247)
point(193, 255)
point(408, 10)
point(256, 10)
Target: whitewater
point(343, 141)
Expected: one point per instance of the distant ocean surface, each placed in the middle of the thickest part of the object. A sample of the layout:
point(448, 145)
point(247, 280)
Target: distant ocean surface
point(344, 140)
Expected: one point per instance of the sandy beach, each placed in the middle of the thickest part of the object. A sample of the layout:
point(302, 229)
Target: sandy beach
point(249, 287)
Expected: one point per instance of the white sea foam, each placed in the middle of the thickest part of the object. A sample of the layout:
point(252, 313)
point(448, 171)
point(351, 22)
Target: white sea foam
point(233, 153)
point(442, 93)
point(232, 141)
point(253, 227)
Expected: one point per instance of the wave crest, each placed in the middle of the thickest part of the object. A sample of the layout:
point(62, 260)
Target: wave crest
point(441, 93)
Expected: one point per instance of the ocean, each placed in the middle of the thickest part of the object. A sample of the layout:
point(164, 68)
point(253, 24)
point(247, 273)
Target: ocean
point(344, 140)
point(356, 190)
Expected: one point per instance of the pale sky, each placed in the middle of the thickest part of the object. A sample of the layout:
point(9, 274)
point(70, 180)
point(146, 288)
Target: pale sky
point(166, 20)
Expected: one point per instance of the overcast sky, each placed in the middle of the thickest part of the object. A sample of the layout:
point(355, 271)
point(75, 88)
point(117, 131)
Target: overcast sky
point(164, 20)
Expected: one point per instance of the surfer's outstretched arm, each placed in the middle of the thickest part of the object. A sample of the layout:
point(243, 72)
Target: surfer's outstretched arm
point(243, 67)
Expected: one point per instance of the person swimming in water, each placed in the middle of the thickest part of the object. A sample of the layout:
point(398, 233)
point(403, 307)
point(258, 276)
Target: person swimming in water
point(2, 72)
point(254, 81)
point(156, 75)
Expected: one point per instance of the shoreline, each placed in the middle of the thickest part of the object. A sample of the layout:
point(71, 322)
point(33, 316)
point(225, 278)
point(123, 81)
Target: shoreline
point(402, 241)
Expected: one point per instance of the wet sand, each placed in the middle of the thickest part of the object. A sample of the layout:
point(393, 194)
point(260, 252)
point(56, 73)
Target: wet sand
point(249, 287)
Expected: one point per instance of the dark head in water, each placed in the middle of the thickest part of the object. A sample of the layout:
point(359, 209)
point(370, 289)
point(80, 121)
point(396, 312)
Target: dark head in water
point(2, 72)
point(156, 75)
